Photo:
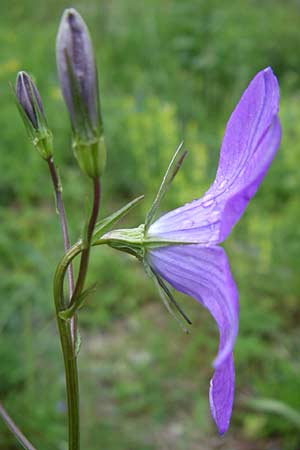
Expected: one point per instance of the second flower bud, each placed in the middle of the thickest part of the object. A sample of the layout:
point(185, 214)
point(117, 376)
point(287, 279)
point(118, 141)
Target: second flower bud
point(79, 84)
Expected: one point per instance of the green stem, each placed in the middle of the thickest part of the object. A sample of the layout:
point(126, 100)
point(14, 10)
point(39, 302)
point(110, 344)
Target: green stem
point(67, 330)
point(70, 362)
point(69, 354)
point(65, 232)
point(72, 386)
point(62, 216)
point(62, 267)
point(64, 327)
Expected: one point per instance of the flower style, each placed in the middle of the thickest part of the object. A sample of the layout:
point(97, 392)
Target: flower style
point(181, 246)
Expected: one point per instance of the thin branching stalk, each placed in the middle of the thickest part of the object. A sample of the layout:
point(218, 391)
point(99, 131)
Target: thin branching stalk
point(62, 216)
point(65, 232)
point(87, 242)
point(67, 330)
point(15, 430)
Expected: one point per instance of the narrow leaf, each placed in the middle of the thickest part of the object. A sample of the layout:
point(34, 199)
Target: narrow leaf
point(170, 174)
point(104, 225)
point(168, 299)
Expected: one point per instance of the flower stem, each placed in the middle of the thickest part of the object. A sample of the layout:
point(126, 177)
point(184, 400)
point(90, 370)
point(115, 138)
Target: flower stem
point(15, 430)
point(64, 227)
point(67, 330)
point(72, 386)
point(69, 355)
point(87, 242)
point(62, 217)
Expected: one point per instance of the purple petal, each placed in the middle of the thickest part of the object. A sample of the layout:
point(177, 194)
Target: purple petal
point(251, 140)
point(204, 273)
point(221, 394)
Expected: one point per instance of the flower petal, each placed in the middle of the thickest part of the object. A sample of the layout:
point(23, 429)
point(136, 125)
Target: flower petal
point(251, 140)
point(204, 273)
point(221, 394)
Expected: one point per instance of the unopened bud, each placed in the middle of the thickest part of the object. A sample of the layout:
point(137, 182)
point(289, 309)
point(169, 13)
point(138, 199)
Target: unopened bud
point(31, 109)
point(79, 84)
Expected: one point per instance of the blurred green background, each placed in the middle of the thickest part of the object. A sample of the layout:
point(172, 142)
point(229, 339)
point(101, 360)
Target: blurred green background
point(169, 70)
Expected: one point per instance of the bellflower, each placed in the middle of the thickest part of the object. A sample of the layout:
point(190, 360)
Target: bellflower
point(182, 247)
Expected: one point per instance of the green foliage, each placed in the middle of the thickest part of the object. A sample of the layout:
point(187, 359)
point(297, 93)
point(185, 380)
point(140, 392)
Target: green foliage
point(170, 70)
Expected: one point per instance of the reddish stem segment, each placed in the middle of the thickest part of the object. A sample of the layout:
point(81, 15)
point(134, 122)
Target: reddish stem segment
point(62, 217)
point(65, 233)
point(87, 248)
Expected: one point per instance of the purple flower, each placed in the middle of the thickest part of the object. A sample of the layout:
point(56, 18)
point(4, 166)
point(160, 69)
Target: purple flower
point(181, 247)
point(201, 269)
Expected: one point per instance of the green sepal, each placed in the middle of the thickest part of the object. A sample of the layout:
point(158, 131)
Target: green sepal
point(129, 240)
point(134, 241)
point(105, 224)
point(44, 144)
point(167, 298)
point(90, 155)
point(170, 174)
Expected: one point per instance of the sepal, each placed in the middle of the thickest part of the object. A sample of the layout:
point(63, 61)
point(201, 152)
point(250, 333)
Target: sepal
point(167, 298)
point(105, 224)
point(127, 240)
point(169, 176)
point(91, 155)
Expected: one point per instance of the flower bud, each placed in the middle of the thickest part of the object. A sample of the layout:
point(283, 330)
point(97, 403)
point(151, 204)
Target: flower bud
point(30, 106)
point(29, 97)
point(78, 79)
